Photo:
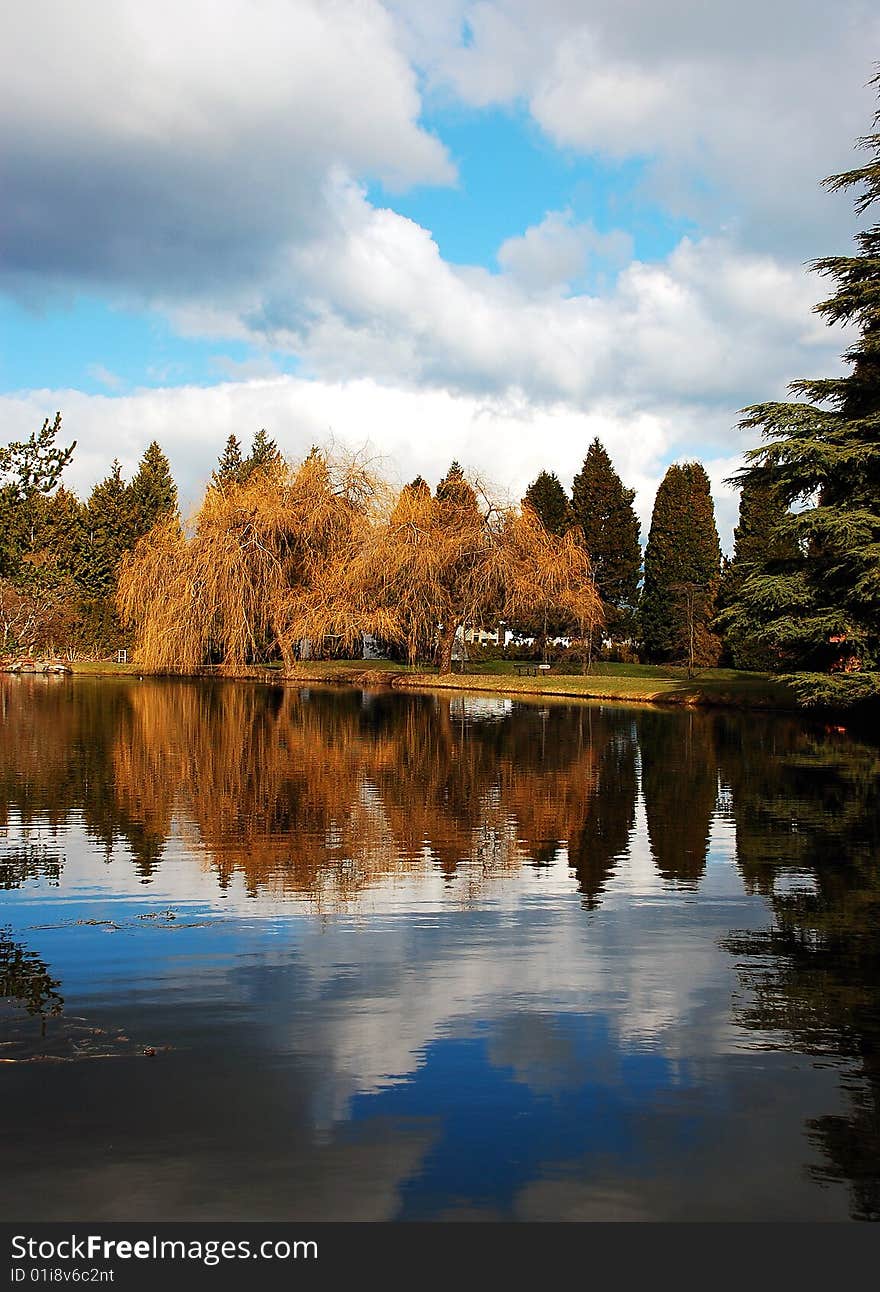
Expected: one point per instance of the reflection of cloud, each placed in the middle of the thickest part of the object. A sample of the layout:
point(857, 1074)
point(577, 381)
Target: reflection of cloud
point(417, 968)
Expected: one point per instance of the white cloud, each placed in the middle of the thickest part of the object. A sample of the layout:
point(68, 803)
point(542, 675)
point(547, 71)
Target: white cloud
point(184, 147)
point(557, 252)
point(372, 296)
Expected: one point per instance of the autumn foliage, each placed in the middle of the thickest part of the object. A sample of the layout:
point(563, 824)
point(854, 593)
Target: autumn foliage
point(322, 550)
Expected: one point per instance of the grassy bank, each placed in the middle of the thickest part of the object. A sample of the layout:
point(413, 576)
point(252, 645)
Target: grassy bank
point(643, 683)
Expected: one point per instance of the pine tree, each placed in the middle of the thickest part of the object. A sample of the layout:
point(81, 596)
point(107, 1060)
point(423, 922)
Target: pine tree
point(546, 496)
point(229, 464)
point(682, 569)
point(459, 514)
point(759, 541)
point(820, 609)
point(63, 533)
point(152, 494)
point(603, 508)
point(264, 454)
point(109, 527)
point(29, 471)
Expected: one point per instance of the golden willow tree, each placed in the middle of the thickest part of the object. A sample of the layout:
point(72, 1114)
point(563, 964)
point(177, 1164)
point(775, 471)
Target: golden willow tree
point(441, 561)
point(542, 575)
point(243, 580)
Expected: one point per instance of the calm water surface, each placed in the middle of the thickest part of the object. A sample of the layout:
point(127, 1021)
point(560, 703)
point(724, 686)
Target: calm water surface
point(272, 953)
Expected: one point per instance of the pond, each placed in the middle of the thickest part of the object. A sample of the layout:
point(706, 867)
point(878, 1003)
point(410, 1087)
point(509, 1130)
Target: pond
point(283, 953)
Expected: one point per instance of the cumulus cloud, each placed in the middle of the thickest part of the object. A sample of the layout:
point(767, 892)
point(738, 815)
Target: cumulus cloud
point(557, 252)
point(373, 296)
point(216, 167)
point(181, 148)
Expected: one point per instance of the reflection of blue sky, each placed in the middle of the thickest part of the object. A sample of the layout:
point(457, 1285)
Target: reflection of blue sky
point(516, 1059)
point(498, 1132)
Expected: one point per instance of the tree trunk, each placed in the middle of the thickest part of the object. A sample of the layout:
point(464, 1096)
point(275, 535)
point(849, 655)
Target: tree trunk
point(444, 648)
point(288, 655)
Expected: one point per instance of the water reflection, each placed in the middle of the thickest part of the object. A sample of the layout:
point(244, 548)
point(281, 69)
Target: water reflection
point(416, 956)
point(26, 981)
point(813, 974)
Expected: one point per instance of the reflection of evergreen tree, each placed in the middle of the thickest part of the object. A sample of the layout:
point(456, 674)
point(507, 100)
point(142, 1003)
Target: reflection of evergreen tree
point(19, 865)
point(808, 805)
point(604, 836)
point(797, 797)
point(25, 979)
point(679, 784)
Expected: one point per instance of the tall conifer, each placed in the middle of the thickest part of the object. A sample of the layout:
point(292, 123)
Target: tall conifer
point(682, 569)
point(603, 508)
point(546, 496)
point(109, 526)
point(264, 453)
point(759, 541)
point(230, 462)
point(152, 493)
point(819, 611)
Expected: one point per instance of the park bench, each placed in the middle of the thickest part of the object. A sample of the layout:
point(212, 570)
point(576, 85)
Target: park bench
point(532, 670)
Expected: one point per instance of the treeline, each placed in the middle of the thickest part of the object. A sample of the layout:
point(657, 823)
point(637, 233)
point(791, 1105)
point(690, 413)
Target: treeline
point(283, 561)
point(60, 555)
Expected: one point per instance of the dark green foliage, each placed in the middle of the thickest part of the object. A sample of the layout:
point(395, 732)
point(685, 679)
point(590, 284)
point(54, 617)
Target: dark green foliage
point(682, 569)
point(230, 463)
point(152, 493)
point(454, 490)
point(546, 496)
point(109, 527)
point(264, 453)
point(35, 465)
point(819, 610)
point(603, 508)
point(29, 471)
point(757, 540)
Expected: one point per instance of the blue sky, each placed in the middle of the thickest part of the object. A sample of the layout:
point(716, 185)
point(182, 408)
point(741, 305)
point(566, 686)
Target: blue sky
point(485, 230)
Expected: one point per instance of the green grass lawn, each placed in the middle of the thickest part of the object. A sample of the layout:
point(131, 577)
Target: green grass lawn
point(632, 682)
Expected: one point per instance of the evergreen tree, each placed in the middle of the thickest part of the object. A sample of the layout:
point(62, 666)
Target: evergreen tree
point(29, 471)
point(759, 540)
point(63, 534)
point(455, 491)
point(152, 493)
point(229, 464)
point(819, 610)
point(546, 496)
point(682, 569)
point(264, 453)
point(109, 526)
point(603, 508)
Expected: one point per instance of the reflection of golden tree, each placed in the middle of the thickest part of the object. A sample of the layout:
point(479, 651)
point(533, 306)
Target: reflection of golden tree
point(320, 795)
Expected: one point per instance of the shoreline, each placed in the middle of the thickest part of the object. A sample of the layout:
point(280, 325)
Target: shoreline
point(745, 692)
